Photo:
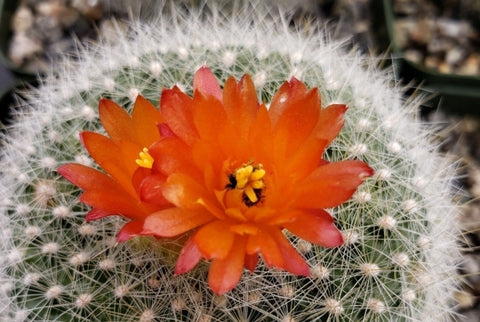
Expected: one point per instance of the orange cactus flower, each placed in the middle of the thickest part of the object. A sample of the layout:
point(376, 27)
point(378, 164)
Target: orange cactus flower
point(125, 158)
point(238, 175)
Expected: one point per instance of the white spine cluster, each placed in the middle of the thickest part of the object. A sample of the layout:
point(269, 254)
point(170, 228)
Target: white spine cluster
point(400, 253)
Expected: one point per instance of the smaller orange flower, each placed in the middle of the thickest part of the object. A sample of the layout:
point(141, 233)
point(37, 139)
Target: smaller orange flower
point(125, 158)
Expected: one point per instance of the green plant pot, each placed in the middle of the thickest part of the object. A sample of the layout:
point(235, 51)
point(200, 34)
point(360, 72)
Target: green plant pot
point(453, 93)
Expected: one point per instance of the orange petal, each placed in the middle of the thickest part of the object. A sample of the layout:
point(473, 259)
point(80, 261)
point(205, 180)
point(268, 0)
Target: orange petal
point(115, 120)
point(176, 108)
point(173, 155)
point(113, 201)
point(111, 158)
point(261, 138)
point(214, 240)
point(145, 118)
point(185, 192)
point(282, 98)
point(331, 184)
point(205, 82)
point(172, 222)
point(317, 228)
point(209, 116)
point(130, 230)
point(241, 104)
point(293, 262)
point(305, 160)
point(264, 243)
point(296, 122)
point(225, 273)
point(188, 258)
point(330, 122)
point(85, 177)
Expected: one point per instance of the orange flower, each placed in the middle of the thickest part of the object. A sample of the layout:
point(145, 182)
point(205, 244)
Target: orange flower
point(124, 156)
point(239, 174)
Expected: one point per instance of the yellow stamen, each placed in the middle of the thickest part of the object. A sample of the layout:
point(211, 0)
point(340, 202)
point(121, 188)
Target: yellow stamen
point(145, 160)
point(243, 175)
point(251, 194)
point(249, 179)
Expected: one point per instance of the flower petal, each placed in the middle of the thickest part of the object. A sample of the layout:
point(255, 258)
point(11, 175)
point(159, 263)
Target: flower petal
point(130, 230)
point(189, 257)
point(331, 184)
point(176, 108)
point(209, 116)
point(115, 120)
point(293, 262)
point(225, 273)
point(205, 82)
point(264, 243)
point(151, 190)
point(112, 159)
point(241, 104)
point(145, 118)
point(296, 122)
point(96, 214)
point(330, 122)
point(172, 222)
point(215, 239)
point(251, 261)
point(185, 192)
point(113, 201)
point(316, 227)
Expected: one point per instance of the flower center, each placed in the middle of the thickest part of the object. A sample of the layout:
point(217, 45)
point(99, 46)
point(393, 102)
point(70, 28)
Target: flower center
point(145, 160)
point(248, 178)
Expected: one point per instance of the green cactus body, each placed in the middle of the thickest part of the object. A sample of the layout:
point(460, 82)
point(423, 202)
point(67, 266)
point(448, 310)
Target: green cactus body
point(400, 253)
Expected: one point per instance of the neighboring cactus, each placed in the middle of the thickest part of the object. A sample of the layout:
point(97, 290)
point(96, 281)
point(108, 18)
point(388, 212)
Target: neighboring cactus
point(398, 261)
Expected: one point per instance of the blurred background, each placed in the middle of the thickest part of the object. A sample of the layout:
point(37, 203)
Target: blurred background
point(433, 46)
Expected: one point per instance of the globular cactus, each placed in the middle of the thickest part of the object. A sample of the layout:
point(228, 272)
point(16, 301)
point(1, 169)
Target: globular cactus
point(398, 260)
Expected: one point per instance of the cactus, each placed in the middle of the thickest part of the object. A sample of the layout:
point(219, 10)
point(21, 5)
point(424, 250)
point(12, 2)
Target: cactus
point(398, 261)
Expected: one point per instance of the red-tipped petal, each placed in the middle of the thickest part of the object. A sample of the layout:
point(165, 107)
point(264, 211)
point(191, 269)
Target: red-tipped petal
point(214, 240)
point(293, 262)
point(251, 261)
point(205, 82)
point(331, 184)
point(189, 257)
point(224, 274)
point(176, 108)
point(317, 228)
point(294, 89)
point(330, 122)
point(264, 243)
point(96, 214)
point(172, 222)
point(112, 202)
point(130, 230)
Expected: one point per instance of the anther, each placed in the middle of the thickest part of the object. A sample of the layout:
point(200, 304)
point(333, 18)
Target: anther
point(145, 160)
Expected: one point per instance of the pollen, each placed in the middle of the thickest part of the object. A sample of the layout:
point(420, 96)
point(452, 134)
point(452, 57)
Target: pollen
point(249, 178)
point(145, 160)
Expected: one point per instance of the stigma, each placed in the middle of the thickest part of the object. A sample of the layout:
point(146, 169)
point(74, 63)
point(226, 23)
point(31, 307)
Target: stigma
point(145, 160)
point(248, 178)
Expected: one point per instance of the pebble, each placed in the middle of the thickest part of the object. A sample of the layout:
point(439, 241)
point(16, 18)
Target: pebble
point(438, 34)
point(42, 29)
